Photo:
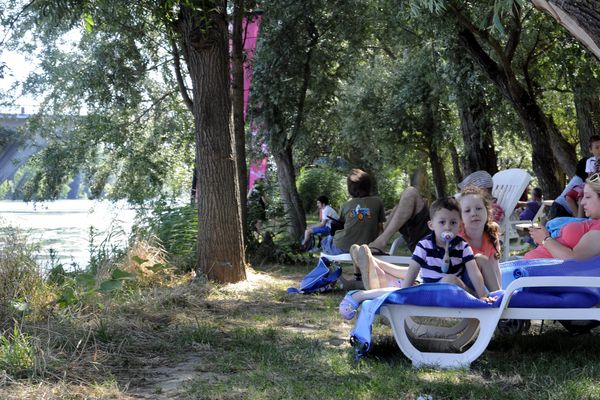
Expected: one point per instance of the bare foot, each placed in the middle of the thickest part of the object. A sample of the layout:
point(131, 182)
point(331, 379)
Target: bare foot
point(367, 267)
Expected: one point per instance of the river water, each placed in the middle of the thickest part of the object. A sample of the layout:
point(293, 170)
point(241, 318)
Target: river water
point(63, 227)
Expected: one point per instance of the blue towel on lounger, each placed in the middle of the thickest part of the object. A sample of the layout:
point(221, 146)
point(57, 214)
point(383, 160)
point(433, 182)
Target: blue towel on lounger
point(426, 294)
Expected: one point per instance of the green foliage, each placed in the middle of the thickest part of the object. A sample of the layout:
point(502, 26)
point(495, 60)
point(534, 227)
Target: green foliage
point(16, 352)
point(321, 180)
point(176, 227)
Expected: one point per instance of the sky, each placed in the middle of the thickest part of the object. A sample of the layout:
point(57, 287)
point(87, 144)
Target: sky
point(18, 67)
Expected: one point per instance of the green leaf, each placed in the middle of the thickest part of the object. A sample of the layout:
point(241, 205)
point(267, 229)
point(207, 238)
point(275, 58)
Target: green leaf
point(138, 260)
point(86, 280)
point(88, 22)
point(110, 286)
point(158, 267)
point(119, 274)
point(67, 297)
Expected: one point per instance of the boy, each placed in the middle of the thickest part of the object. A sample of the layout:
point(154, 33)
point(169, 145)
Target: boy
point(531, 207)
point(326, 213)
point(428, 258)
point(593, 163)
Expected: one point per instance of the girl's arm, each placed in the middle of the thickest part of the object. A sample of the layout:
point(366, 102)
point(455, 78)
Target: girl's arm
point(411, 274)
point(476, 279)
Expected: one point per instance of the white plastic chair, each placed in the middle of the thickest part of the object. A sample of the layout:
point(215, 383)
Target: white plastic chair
point(509, 186)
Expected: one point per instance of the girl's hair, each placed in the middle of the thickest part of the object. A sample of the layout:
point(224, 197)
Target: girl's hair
point(491, 228)
point(323, 199)
point(593, 181)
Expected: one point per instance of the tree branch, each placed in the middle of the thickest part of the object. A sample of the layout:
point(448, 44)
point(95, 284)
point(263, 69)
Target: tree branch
point(14, 21)
point(515, 34)
point(180, 82)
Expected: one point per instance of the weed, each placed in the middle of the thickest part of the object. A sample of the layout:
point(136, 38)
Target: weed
point(16, 352)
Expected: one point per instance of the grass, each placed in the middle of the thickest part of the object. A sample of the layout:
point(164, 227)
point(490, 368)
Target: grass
point(251, 340)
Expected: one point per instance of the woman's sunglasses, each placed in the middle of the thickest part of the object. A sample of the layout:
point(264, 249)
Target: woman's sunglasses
point(594, 178)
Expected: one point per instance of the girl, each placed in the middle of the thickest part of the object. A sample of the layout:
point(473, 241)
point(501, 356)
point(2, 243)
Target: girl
point(482, 234)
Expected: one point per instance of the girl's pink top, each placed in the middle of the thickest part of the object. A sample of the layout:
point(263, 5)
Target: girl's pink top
point(487, 247)
point(569, 235)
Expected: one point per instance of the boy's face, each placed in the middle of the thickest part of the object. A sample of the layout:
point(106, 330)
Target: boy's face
point(444, 220)
point(595, 148)
point(319, 204)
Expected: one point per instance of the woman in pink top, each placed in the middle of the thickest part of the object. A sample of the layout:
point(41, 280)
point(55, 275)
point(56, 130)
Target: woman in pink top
point(482, 234)
point(577, 240)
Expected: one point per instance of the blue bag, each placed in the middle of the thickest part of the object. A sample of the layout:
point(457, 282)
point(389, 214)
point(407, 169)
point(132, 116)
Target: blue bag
point(320, 279)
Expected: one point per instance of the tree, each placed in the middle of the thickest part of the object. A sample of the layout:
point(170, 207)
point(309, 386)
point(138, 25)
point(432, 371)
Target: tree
point(127, 74)
point(580, 17)
point(500, 60)
point(305, 50)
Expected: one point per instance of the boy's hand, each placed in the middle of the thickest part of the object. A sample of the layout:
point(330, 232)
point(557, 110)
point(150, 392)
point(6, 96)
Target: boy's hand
point(489, 299)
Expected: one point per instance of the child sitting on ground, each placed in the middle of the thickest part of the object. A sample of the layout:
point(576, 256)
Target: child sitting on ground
point(441, 256)
point(531, 207)
point(326, 214)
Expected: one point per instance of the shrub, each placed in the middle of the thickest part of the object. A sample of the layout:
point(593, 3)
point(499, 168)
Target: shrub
point(322, 180)
point(19, 274)
point(176, 228)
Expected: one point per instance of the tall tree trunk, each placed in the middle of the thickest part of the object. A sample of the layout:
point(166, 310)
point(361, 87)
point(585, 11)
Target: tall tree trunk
point(291, 199)
point(457, 168)
point(237, 97)
point(586, 95)
point(580, 17)
point(220, 241)
point(475, 123)
point(532, 118)
point(431, 130)
point(480, 153)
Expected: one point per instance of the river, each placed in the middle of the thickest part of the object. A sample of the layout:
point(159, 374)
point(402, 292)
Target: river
point(63, 226)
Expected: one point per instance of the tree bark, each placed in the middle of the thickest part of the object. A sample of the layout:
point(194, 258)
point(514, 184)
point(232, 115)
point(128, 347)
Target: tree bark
point(220, 241)
point(296, 223)
point(580, 17)
point(480, 153)
point(431, 130)
point(586, 96)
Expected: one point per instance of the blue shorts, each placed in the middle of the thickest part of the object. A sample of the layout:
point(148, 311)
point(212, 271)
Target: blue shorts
point(321, 230)
point(330, 248)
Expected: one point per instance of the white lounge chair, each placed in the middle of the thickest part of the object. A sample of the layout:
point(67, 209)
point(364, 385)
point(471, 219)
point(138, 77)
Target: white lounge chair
point(509, 186)
point(567, 297)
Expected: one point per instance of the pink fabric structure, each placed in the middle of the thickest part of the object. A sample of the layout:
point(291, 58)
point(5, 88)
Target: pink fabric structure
point(250, 32)
point(250, 26)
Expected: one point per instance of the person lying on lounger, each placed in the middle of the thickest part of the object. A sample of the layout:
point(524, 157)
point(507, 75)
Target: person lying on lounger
point(442, 256)
point(576, 240)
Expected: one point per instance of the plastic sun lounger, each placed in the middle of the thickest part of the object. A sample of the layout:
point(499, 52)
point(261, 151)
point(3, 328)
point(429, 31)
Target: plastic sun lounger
point(509, 185)
point(345, 258)
point(568, 290)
